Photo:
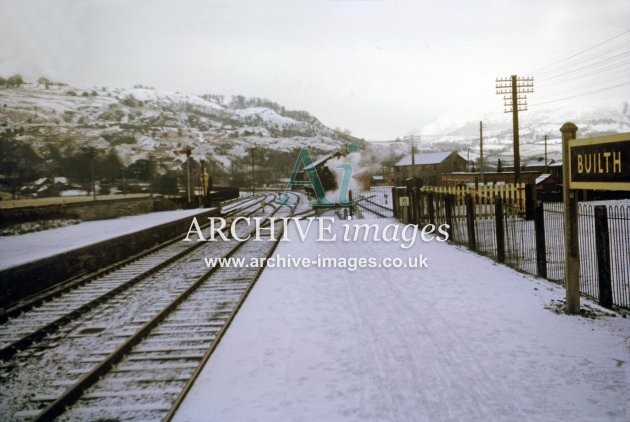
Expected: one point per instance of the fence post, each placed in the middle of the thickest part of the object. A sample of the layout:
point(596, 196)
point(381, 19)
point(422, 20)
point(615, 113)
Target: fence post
point(418, 207)
point(541, 248)
point(394, 203)
point(498, 215)
point(470, 220)
point(431, 197)
point(413, 201)
point(603, 256)
point(530, 201)
point(448, 210)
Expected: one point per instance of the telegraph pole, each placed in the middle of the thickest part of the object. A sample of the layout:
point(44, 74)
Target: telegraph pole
point(546, 162)
point(413, 156)
point(514, 90)
point(468, 162)
point(481, 152)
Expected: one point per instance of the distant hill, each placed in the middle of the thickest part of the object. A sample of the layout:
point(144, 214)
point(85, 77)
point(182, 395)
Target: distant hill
point(49, 129)
point(461, 133)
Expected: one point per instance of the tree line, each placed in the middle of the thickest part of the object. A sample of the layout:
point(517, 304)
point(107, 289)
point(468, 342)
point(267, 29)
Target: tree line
point(14, 81)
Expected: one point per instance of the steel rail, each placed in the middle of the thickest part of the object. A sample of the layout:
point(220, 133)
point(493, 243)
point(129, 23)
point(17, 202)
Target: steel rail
point(10, 350)
point(80, 279)
point(180, 398)
point(73, 393)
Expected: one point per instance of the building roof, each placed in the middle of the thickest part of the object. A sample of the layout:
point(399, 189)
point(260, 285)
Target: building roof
point(322, 160)
point(424, 158)
point(539, 162)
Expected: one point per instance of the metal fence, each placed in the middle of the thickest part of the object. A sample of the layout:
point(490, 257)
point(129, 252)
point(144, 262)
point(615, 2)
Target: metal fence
point(375, 202)
point(497, 228)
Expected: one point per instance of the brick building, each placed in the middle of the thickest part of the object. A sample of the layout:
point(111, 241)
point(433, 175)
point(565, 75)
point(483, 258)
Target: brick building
point(429, 166)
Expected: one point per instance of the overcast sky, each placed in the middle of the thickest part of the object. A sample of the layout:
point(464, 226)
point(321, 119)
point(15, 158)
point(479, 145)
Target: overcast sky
point(381, 69)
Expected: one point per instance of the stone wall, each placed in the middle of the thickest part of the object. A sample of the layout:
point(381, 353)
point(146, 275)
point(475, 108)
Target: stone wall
point(86, 211)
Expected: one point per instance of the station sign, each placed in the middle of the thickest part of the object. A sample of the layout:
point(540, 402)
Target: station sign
point(601, 163)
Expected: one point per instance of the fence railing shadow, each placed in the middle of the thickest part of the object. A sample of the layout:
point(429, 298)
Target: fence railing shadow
point(493, 223)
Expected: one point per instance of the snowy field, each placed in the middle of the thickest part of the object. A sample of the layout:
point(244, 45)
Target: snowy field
point(464, 339)
point(20, 249)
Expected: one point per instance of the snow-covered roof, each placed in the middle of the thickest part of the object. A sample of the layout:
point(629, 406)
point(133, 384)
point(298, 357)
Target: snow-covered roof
point(61, 180)
point(321, 160)
point(424, 158)
point(535, 163)
point(542, 178)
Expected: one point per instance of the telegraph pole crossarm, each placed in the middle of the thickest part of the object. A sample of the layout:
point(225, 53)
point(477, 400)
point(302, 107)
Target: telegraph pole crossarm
point(514, 90)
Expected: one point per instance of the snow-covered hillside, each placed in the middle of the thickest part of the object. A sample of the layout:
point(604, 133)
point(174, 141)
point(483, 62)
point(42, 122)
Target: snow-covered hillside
point(43, 126)
point(170, 119)
point(461, 132)
point(52, 129)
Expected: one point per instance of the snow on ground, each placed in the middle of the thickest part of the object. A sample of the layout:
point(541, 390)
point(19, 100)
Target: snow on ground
point(169, 97)
point(267, 115)
point(20, 249)
point(464, 339)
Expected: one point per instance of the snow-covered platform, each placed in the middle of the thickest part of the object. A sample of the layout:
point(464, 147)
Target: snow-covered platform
point(463, 339)
point(33, 262)
point(24, 248)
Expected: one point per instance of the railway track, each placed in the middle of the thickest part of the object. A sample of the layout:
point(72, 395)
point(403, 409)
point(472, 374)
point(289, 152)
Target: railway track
point(35, 317)
point(81, 279)
point(133, 354)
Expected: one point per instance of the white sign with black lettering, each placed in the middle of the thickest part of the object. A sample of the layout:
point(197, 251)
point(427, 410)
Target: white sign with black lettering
point(403, 201)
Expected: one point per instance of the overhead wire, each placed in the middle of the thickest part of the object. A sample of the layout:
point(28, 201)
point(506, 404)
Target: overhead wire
point(580, 95)
point(581, 51)
point(590, 66)
point(559, 47)
point(602, 66)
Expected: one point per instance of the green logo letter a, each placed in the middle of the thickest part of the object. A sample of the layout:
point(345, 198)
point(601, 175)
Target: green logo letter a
point(311, 171)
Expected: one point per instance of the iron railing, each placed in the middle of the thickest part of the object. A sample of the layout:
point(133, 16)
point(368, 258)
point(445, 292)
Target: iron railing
point(498, 228)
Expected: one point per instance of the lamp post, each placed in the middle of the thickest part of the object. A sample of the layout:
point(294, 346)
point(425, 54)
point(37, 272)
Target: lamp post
point(253, 170)
point(92, 173)
point(188, 176)
point(186, 151)
point(150, 171)
point(124, 183)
